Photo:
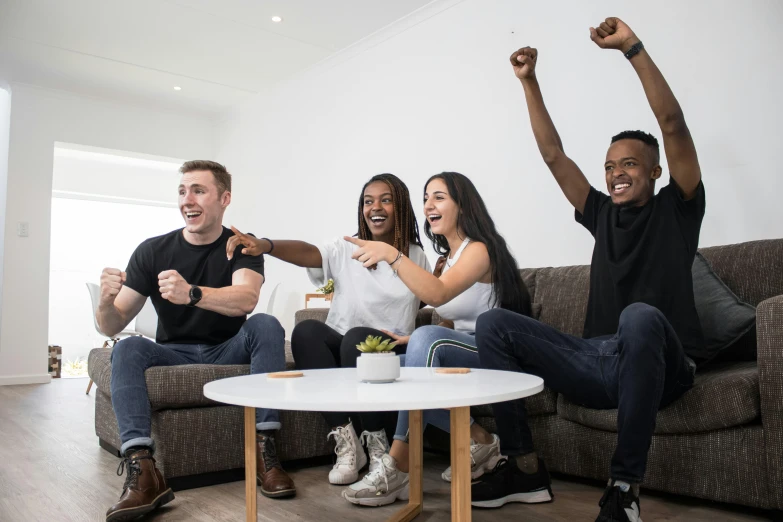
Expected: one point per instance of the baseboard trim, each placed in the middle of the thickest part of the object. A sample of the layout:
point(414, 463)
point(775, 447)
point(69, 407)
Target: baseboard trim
point(11, 380)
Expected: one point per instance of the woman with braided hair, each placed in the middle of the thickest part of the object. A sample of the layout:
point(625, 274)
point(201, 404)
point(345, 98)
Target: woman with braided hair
point(366, 301)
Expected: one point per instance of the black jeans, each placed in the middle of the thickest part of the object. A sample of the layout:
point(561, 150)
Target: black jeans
point(639, 370)
point(316, 345)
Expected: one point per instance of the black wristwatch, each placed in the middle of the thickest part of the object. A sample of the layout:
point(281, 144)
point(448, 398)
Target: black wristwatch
point(195, 295)
point(634, 50)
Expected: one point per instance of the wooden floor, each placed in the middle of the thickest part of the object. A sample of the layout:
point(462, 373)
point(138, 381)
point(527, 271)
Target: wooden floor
point(51, 469)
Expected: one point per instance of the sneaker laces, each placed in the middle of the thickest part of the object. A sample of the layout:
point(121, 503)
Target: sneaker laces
point(134, 470)
point(342, 446)
point(374, 477)
point(376, 442)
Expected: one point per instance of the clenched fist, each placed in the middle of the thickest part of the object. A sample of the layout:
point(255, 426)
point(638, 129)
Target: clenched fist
point(112, 280)
point(613, 33)
point(524, 63)
point(173, 287)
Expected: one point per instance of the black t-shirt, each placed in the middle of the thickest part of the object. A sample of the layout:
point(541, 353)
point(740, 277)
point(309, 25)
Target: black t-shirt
point(202, 265)
point(645, 255)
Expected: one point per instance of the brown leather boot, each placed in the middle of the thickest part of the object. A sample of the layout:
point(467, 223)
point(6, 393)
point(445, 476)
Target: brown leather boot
point(274, 482)
point(144, 489)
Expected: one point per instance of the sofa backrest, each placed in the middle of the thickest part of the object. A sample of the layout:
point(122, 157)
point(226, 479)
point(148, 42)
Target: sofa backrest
point(752, 270)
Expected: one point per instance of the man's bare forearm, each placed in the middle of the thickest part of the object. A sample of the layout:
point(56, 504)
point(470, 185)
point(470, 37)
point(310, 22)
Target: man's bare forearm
point(662, 101)
point(232, 301)
point(110, 320)
point(547, 138)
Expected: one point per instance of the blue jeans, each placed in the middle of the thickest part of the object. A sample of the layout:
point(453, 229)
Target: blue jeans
point(260, 342)
point(639, 370)
point(436, 346)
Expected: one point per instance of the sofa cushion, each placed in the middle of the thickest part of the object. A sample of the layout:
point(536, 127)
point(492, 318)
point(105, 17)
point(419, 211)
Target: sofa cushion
point(172, 386)
point(562, 293)
point(724, 318)
point(538, 404)
point(723, 396)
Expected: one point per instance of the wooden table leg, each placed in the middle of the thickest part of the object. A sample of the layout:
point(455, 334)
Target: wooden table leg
point(251, 510)
point(416, 466)
point(460, 465)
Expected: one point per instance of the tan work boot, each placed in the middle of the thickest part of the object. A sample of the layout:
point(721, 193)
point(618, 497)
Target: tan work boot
point(144, 489)
point(274, 482)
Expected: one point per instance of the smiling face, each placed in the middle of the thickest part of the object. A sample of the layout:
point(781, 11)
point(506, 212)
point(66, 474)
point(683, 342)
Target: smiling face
point(631, 170)
point(440, 209)
point(378, 210)
point(200, 202)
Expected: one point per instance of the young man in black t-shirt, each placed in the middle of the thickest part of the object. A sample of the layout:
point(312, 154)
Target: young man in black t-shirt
point(202, 300)
point(641, 324)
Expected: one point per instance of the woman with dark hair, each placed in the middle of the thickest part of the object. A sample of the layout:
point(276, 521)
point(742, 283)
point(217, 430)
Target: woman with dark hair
point(475, 273)
point(364, 303)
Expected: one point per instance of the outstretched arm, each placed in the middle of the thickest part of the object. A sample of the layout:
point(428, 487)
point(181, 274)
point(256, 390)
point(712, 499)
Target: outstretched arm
point(297, 253)
point(572, 181)
point(677, 141)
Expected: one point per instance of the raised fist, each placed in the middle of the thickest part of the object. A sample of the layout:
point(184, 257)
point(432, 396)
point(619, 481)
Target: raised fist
point(524, 62)
point(112, 280)
point(613, 34)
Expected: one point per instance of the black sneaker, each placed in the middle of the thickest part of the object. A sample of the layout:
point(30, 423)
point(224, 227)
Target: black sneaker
point(619, 505)
point(507, 483)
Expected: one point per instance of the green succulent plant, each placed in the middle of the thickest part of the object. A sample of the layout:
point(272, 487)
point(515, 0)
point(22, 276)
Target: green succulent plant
point(328, 288)
point(374, 345)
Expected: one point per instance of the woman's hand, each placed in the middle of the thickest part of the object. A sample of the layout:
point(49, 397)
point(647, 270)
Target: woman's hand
point(371, 253)
point(401, 339)
point(253, 246)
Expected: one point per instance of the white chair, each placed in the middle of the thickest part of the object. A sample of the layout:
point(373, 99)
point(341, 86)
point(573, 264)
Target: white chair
point(146, 322)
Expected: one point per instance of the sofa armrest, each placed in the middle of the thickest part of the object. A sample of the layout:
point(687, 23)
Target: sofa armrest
point(769, 329)
point(317, 314)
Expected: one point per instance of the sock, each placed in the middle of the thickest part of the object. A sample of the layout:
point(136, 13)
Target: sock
point(626, 486)
point(528, 463)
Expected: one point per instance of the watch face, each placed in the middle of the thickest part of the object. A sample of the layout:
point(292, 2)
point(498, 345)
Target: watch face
point(195, 292)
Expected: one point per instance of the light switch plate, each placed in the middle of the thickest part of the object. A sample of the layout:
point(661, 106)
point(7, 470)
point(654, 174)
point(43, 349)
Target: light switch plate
point(23, 229)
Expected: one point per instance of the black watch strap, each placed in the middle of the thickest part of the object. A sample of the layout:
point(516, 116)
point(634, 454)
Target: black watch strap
point(634, 50)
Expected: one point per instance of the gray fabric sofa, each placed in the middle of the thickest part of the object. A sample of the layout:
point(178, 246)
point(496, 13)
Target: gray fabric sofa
point(723, 440)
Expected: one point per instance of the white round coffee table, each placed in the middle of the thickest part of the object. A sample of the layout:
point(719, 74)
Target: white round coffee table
point(417, 389)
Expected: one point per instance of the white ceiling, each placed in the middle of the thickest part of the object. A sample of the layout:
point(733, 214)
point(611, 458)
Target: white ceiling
point(219, 51)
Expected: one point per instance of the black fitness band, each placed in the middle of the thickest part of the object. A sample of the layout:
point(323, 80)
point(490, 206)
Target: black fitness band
point(633, 51)
point(271, 243)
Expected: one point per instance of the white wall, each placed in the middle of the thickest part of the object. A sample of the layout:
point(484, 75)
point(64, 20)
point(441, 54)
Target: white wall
point(39, 119)
point(440, 95)
point(5, 127)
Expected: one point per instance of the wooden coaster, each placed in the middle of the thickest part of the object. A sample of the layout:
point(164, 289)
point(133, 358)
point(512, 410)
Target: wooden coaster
point(452, 370)
point(285, 375)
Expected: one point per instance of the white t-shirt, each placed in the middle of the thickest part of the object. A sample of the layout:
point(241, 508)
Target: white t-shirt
point(363, 297)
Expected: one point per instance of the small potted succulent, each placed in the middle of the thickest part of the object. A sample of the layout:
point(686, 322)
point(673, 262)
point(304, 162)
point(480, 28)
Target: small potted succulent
point(327, 290)
point(378, 363)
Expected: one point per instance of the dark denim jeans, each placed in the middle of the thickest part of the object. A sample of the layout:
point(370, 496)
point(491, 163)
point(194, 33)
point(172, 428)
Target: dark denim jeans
point(639, 370)
point(260, 342)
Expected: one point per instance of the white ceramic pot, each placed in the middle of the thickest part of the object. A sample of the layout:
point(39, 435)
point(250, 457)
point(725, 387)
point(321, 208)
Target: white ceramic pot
point(378, 368)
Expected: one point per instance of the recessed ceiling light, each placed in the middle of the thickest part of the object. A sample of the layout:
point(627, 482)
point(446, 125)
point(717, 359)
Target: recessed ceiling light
point(177, 88)
point(277, 18)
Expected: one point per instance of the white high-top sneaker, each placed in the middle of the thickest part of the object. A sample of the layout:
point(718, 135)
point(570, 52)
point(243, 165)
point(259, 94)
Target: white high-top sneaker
point(379, 487)
point(377, 445)
point(483, 458)
point(350, 456)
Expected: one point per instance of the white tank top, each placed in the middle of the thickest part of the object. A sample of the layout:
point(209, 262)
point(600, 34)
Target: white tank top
point(464, 309)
